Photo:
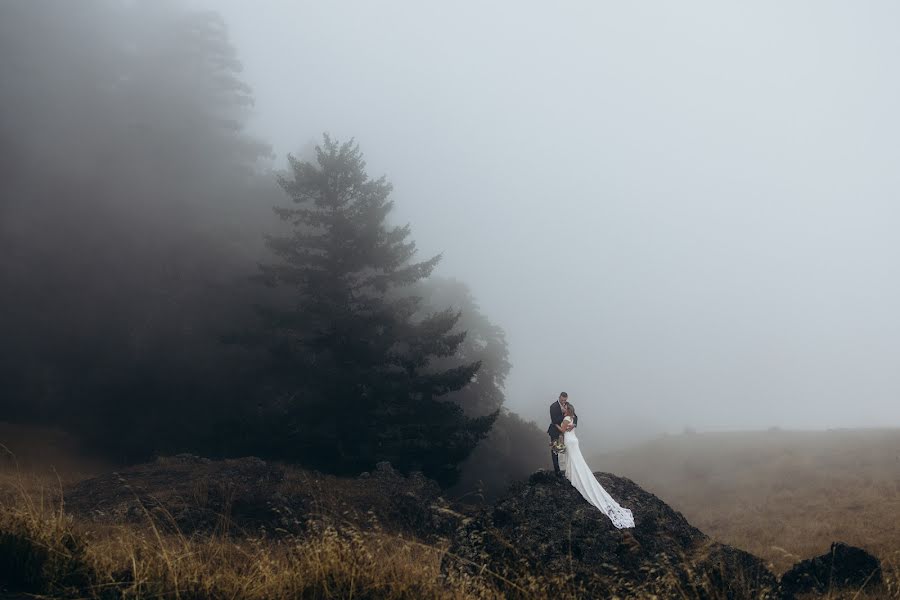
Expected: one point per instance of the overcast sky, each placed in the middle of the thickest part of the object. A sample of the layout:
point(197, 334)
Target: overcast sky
point(683, 214)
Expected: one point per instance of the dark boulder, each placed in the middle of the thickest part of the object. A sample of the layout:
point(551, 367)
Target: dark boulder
point(387, 499)
point(543, 530)
point(195, 495)
point(843, 567)
point(184, 492)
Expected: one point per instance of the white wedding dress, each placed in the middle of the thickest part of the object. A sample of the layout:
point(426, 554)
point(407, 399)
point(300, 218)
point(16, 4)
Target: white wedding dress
point(583, 480)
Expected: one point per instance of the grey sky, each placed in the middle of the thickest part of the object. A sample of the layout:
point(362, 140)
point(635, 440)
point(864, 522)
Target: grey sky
point(683, 214)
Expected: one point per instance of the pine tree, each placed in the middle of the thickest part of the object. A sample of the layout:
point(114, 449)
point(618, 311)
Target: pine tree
point(485, 342)
point(352, 363)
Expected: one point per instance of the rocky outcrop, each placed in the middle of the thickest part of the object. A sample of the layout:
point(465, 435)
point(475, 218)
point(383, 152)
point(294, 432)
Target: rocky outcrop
point(540, 534)
point(196, 495)
point(183, 492)
point(543, 528)
point(842, 568)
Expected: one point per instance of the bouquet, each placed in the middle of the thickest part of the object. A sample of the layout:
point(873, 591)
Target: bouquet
point(557, 446)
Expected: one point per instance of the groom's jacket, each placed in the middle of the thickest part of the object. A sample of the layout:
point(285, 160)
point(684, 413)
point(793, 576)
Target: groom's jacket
point(556, 418)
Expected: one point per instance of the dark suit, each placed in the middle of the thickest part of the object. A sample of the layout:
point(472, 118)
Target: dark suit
point(556, 418)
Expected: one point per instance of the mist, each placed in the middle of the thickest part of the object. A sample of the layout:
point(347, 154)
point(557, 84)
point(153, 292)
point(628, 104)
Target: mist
point(681, 215)
point(289, 291)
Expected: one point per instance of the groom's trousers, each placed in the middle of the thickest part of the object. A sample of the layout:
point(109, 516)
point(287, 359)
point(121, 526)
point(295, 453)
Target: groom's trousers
point(555, 457)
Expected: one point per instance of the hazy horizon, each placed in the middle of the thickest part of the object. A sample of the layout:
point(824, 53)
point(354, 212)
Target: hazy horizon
point(680, 214)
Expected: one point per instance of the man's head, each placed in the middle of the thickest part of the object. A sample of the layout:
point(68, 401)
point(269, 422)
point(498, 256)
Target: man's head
point(563, 398)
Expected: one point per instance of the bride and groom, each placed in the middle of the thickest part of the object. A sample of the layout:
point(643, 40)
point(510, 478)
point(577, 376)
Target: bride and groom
point(563, 440)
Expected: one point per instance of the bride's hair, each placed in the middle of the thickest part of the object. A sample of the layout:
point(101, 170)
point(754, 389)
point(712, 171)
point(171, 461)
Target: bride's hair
point(570, 410)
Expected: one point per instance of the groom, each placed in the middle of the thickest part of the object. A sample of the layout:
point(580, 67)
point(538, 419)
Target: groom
point(557, 413)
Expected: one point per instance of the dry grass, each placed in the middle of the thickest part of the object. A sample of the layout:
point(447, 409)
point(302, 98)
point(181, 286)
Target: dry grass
point(64, 559)
point(45, 551)
point(53, 554)
point(57, 555)
point(780, 495)
point(784, 496)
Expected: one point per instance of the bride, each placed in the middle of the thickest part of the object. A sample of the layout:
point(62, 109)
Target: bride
point(578, 472)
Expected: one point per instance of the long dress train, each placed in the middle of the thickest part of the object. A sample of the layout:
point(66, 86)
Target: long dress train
point(583, 480)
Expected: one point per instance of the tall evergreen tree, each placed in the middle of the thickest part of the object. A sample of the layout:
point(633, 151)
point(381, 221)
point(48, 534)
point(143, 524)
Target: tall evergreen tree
point(352, 363)
point(485, 342)
point(514, 448)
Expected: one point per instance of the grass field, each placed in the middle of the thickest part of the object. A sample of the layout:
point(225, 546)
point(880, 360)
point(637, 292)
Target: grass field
point(782, 495)
point(57, 555)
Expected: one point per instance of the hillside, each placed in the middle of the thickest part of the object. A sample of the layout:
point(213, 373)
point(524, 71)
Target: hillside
point(781, 495)
point(185, 526)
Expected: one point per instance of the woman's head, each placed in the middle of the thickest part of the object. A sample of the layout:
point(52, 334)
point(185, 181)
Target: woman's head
point(570, 410)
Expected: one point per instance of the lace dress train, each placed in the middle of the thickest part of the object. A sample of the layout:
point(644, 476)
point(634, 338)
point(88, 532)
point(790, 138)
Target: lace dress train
point(583, 480)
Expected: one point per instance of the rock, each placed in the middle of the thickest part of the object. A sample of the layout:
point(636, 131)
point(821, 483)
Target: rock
point(544, 528)
point(395, 502)
point(444, 519)
point(184, 457)
point(196, 495)
point(842, 567)
point(184, 492)
point(722, 571)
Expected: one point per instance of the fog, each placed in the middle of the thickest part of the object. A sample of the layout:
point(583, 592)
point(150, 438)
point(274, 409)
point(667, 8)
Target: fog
point(682, 214)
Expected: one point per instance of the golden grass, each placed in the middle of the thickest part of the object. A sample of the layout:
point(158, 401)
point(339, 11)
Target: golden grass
point(781, 495)
point(62, 557)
